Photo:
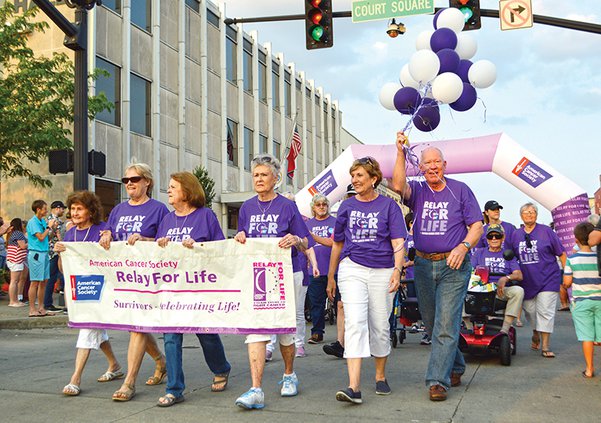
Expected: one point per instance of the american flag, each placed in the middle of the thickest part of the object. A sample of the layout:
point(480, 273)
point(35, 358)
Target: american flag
point(230, 145)
point(295, 149)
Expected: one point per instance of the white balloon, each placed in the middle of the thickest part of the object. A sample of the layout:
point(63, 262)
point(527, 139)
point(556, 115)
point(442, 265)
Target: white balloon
point(447, 87)
point(406, 79)
point(482, 74)
point(423, 40)
point(387, 93)
point(451, 18)
point(424, 66)
point(466, 46)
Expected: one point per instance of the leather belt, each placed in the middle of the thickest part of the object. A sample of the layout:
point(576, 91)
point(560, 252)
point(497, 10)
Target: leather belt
point(432, 256)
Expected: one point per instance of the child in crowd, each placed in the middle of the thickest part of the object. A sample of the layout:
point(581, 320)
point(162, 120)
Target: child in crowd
point(582, 274)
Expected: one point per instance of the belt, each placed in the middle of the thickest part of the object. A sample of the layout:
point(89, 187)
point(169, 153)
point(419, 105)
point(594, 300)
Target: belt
point(432, 256)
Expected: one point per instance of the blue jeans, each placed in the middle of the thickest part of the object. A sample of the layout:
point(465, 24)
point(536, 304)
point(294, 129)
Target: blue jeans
point(317, 297)
point(54, 275)
point(212, 349)
point(440, 294)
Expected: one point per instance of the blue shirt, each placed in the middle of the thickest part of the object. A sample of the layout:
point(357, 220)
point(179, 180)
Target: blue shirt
point(37, 226)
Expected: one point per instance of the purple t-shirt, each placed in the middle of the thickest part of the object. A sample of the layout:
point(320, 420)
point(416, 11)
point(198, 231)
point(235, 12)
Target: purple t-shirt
point(367, 228)
point(442, 218)
point(495, 263)
point(92, 234)
point(538, 262)
point(273, 219)
point(325, 229)
point(509, 230)
point(200, 225)
point(126, 219)
point(409, 243)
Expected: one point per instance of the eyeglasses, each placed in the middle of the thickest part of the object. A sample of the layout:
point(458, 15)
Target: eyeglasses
point(528, 240)
point(133, 179)
point(528, 212)
point(366, 161)
point(494, 236)
point(321, 204)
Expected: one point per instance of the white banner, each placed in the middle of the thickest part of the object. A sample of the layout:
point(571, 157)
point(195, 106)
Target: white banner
point(216, 287)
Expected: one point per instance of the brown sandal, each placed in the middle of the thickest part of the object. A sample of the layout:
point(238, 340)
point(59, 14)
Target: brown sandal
point(548, 354)
point(124, 395)
point(162, 369)
point(220, 382)
point(535, 346)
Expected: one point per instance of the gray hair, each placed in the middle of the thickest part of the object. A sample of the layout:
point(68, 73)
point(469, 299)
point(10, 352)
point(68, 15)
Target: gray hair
point(528, 205)
point(319, 197)
point(266, 160)
point(593, 219)
point(438, 150)
point(144, 171)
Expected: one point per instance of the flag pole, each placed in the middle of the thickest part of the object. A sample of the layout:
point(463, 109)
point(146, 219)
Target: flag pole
point(284, 154)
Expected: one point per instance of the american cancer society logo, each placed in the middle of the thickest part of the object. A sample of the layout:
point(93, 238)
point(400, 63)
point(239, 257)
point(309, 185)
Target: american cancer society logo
point(86, 287)
point(268, 287)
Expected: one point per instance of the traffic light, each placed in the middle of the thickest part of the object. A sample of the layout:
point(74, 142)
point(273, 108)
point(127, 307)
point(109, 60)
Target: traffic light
point(471, 12)
point(318, 24)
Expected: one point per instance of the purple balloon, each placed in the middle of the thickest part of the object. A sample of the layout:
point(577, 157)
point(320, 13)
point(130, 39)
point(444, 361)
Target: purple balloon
point(406, 100)
point(449, 60)
point(463, 69)
point(435, 20)
point(427, 118)
point(466, 100)
point(443, 38)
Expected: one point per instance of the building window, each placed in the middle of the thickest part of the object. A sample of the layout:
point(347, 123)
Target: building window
point(247, 66)
point(212, 18)
point(194, 5)
point(111, 87)
point(140, 105)
point(275, 89)
point(262, 77)
point(109, 193)
point(114, 5)
point(141, 14)
point(287, 95)
point(231, 63)
point(275, 149)
point(248, 148)
point(262, 144)
point(232, 143)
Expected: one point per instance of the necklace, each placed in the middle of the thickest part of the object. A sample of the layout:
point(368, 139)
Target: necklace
point(181, 227)
point(84, 238)
point(263, 211)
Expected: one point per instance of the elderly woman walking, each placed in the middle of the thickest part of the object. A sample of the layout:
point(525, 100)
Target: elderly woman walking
point(368, 253)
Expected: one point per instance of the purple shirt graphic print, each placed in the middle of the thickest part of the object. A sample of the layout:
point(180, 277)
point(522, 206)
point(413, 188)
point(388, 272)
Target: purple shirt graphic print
point(200, 225)
point(126, 219)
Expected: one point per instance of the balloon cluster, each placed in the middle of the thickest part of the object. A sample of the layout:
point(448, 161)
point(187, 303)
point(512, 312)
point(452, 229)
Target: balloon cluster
point(439, 72)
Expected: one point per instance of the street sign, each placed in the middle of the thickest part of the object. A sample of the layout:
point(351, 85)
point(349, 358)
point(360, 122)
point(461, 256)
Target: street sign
point(515, 14)
point(373, 10)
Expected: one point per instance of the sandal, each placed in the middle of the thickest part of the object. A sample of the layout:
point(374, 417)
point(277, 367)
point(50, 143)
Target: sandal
point(548, 354)
point(161, 368)
point(108, 376)
point(71, 390)
point(220, 382)
point(169, 400)
point(535, 346)
point(124, 395)
point(588, 376)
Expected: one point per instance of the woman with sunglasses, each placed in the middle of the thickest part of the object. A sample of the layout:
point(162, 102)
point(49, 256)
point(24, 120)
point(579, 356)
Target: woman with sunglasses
point(137, 219)
point(367, 254)
point(537, 248)
point(492, 258)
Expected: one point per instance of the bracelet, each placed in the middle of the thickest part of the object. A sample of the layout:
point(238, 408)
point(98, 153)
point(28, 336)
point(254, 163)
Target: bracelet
point(396, 268)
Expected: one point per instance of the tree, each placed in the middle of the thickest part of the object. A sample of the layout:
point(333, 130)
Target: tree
point(208, 184)
point(36, 98)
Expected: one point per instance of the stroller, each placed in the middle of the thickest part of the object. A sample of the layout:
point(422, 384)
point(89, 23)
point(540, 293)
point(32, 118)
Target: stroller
point(405, 313)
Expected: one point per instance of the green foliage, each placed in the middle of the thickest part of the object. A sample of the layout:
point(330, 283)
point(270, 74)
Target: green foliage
point(208, 184)
point(36, 98)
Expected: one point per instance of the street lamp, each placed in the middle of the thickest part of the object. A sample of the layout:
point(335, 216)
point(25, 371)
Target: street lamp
point(395, 29)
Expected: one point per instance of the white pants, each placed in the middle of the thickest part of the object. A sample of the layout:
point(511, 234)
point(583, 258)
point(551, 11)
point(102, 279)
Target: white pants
point(90, 339)
point(540, 311)
point(288, 339)
point(367, 308)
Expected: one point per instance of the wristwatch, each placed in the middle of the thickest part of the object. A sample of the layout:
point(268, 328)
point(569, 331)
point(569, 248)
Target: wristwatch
point(467, 244)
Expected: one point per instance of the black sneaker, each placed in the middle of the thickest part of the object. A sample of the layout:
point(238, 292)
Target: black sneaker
point(348, 395)
point(335, 348)
point(53, 308)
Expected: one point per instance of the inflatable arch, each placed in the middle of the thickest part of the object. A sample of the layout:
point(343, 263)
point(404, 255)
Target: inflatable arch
point(496, 153)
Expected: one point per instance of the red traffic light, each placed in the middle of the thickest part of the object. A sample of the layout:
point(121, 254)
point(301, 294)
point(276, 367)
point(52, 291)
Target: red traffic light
point(315, 15)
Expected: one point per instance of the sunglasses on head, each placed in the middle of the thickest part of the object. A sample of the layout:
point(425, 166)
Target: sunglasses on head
point(528, 240)
point(133, 179)
point(366, 160)
point(494, 236)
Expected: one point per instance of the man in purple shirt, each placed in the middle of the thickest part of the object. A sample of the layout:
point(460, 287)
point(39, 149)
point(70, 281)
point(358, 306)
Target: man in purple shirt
point(447, 223)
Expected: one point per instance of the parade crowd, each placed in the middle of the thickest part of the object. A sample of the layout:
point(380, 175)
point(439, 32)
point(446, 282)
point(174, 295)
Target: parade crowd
point(355, 261)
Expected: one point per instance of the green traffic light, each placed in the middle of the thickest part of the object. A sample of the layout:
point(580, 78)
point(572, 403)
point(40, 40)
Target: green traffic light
point(467, 13)
point(317, 32)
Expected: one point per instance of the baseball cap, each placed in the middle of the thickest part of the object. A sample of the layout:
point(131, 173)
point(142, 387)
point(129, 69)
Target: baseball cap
point(350, 190)
point(57, 203)
point(492, 205)
point(495, 228)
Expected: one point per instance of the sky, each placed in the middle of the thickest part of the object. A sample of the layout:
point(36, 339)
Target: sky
point(547, 96)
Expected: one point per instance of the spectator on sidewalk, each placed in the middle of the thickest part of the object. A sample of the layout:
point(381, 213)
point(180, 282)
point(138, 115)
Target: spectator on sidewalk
point(16, 261)
point(57, 209)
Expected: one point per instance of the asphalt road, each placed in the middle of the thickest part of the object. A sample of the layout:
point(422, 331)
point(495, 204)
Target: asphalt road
point(35, 364)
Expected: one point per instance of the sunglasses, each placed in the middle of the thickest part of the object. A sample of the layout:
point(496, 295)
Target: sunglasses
point(494, 236)
point(528, 240)
point(366, 161)
point(133, 179)
point(321, 204)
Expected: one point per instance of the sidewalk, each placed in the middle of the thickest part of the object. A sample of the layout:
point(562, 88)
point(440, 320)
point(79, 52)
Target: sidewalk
point(18, 317)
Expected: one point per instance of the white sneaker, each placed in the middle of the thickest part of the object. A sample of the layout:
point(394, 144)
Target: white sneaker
point(289, 385)
point(300, 351)
point(268, 355)
point(253, 398)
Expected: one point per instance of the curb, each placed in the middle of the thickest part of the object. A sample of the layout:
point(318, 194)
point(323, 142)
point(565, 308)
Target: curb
point(34, 323)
